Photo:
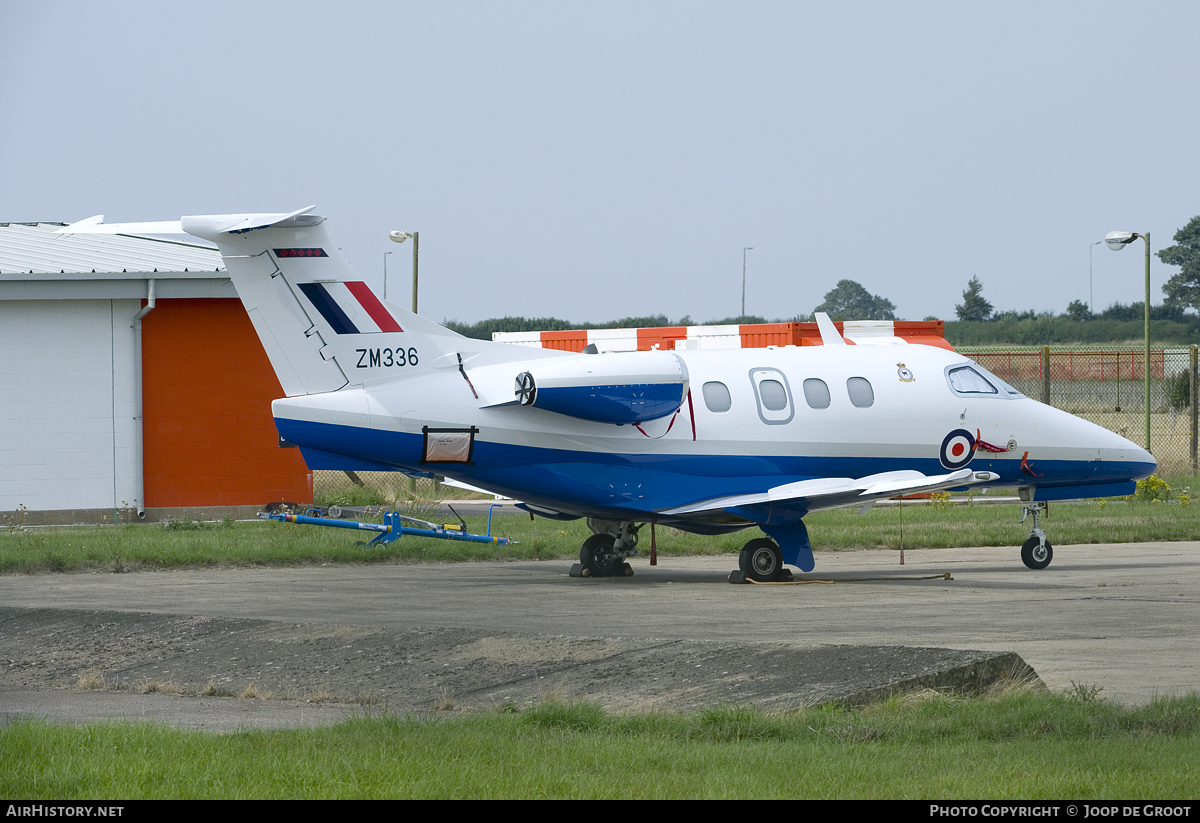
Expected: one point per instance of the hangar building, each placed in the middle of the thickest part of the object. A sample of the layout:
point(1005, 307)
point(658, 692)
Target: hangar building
point(101, 419)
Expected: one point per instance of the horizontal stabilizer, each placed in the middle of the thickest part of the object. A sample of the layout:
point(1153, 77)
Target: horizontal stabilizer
point(169, 230)
point(213, 226)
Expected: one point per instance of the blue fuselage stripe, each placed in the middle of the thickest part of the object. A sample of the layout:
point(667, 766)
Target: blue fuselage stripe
point(620, 483)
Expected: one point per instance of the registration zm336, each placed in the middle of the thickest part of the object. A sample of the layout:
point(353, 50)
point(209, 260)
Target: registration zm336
point(707, 441)
point(375, 358)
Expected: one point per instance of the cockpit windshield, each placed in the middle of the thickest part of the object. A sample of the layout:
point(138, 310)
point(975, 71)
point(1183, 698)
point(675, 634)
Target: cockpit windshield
point(974, 380)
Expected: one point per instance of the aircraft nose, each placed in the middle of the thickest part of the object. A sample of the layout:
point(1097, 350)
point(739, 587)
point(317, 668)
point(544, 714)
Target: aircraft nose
point(1123, 451)
point(1149, 463)
point(1109, 455)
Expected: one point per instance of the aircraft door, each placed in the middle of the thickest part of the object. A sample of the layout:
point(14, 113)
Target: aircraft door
point(773, 396)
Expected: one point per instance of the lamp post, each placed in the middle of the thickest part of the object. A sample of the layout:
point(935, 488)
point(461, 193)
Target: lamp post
point(748, 248)
point(400, 237)
point(385, 254)
point(1116, 241)
point(1091, 300)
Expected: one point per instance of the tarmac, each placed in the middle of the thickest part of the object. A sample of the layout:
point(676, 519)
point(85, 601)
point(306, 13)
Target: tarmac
point(325, 642)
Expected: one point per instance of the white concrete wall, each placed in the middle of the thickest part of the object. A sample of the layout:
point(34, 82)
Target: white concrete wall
point(66, 404)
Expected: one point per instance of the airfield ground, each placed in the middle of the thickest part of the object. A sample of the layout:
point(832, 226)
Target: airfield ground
point(338, 639)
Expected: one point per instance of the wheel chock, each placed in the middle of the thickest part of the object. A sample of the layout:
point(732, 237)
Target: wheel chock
point(739, 576)
point(577, 570)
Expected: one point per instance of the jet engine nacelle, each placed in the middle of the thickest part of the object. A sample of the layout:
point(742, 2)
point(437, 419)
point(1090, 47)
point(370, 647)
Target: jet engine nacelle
point(624, 387)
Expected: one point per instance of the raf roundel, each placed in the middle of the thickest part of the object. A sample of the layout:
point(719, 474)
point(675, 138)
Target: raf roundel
point(957, 449)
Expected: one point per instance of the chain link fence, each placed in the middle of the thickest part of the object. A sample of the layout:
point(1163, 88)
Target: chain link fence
point(1106, 385)
point(386, 490)
point(1102, 384)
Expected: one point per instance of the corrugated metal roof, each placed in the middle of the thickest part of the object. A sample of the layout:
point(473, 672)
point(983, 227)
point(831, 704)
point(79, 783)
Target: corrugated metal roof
point(34, 247)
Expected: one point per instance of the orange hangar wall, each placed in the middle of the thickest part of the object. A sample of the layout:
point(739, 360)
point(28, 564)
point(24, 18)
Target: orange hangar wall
point(209, 438)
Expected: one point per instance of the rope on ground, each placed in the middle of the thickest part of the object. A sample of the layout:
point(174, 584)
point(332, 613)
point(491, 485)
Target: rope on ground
point(805, 580)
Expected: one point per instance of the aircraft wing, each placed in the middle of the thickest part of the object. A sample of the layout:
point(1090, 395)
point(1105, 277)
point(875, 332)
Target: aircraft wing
point(794, 500)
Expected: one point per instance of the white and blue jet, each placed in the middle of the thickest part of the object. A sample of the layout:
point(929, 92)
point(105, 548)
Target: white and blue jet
point(707, 441)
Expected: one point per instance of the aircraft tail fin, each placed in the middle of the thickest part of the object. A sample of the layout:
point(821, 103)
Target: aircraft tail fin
point(323, 328)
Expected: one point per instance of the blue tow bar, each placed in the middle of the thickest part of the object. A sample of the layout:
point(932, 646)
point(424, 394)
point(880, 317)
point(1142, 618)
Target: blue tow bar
point(392, 528)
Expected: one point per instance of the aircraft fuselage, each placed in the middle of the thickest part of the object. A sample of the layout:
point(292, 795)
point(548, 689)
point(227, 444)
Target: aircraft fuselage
point(844, 411)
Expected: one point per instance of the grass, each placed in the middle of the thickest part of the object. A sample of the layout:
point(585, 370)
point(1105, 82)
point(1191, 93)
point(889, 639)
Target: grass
point(191, 544)
point(387, 489)
point(1021, 744)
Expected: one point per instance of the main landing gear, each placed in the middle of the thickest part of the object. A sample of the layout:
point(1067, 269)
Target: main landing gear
point(603, 554)
point(1036, 552)
point(761, 560)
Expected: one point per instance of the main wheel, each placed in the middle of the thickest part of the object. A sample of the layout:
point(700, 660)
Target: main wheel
point(761, 560)
point(598, 557)
point(1035, 555)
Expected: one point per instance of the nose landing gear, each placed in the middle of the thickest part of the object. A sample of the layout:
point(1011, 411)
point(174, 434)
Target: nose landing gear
point(1036, 552)
point(603, 554)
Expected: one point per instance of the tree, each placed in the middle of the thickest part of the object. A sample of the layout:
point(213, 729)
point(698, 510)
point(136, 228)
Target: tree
point(850, 301)
point(1078, 310)
point(1183, 289)
point(973, 307)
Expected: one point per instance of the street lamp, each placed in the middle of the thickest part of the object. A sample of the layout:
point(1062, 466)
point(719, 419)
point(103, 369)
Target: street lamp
point(748, 248)
point(1116, 241)
point(400, 237)
point(385, 254)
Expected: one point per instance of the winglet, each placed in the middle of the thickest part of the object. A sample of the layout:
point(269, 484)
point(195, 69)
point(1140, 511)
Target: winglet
point(829, 332)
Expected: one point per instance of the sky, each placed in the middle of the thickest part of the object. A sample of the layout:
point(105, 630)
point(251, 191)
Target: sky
point(593, 161)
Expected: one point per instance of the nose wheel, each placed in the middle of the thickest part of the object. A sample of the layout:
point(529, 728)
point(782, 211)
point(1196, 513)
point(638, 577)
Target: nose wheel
point(603, 554)
point(599, 557)
point(1036, 552)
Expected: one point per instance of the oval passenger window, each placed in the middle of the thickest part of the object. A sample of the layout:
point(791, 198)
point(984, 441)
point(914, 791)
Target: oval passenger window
point(774, 396)
point(816, 393)
point(716, 397)
point(860, 391)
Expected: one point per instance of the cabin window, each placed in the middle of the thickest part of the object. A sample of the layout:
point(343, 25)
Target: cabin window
point(860, 391)
point(816, 392)
point(966, 380)
point(773, 395)
point(716, 397)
